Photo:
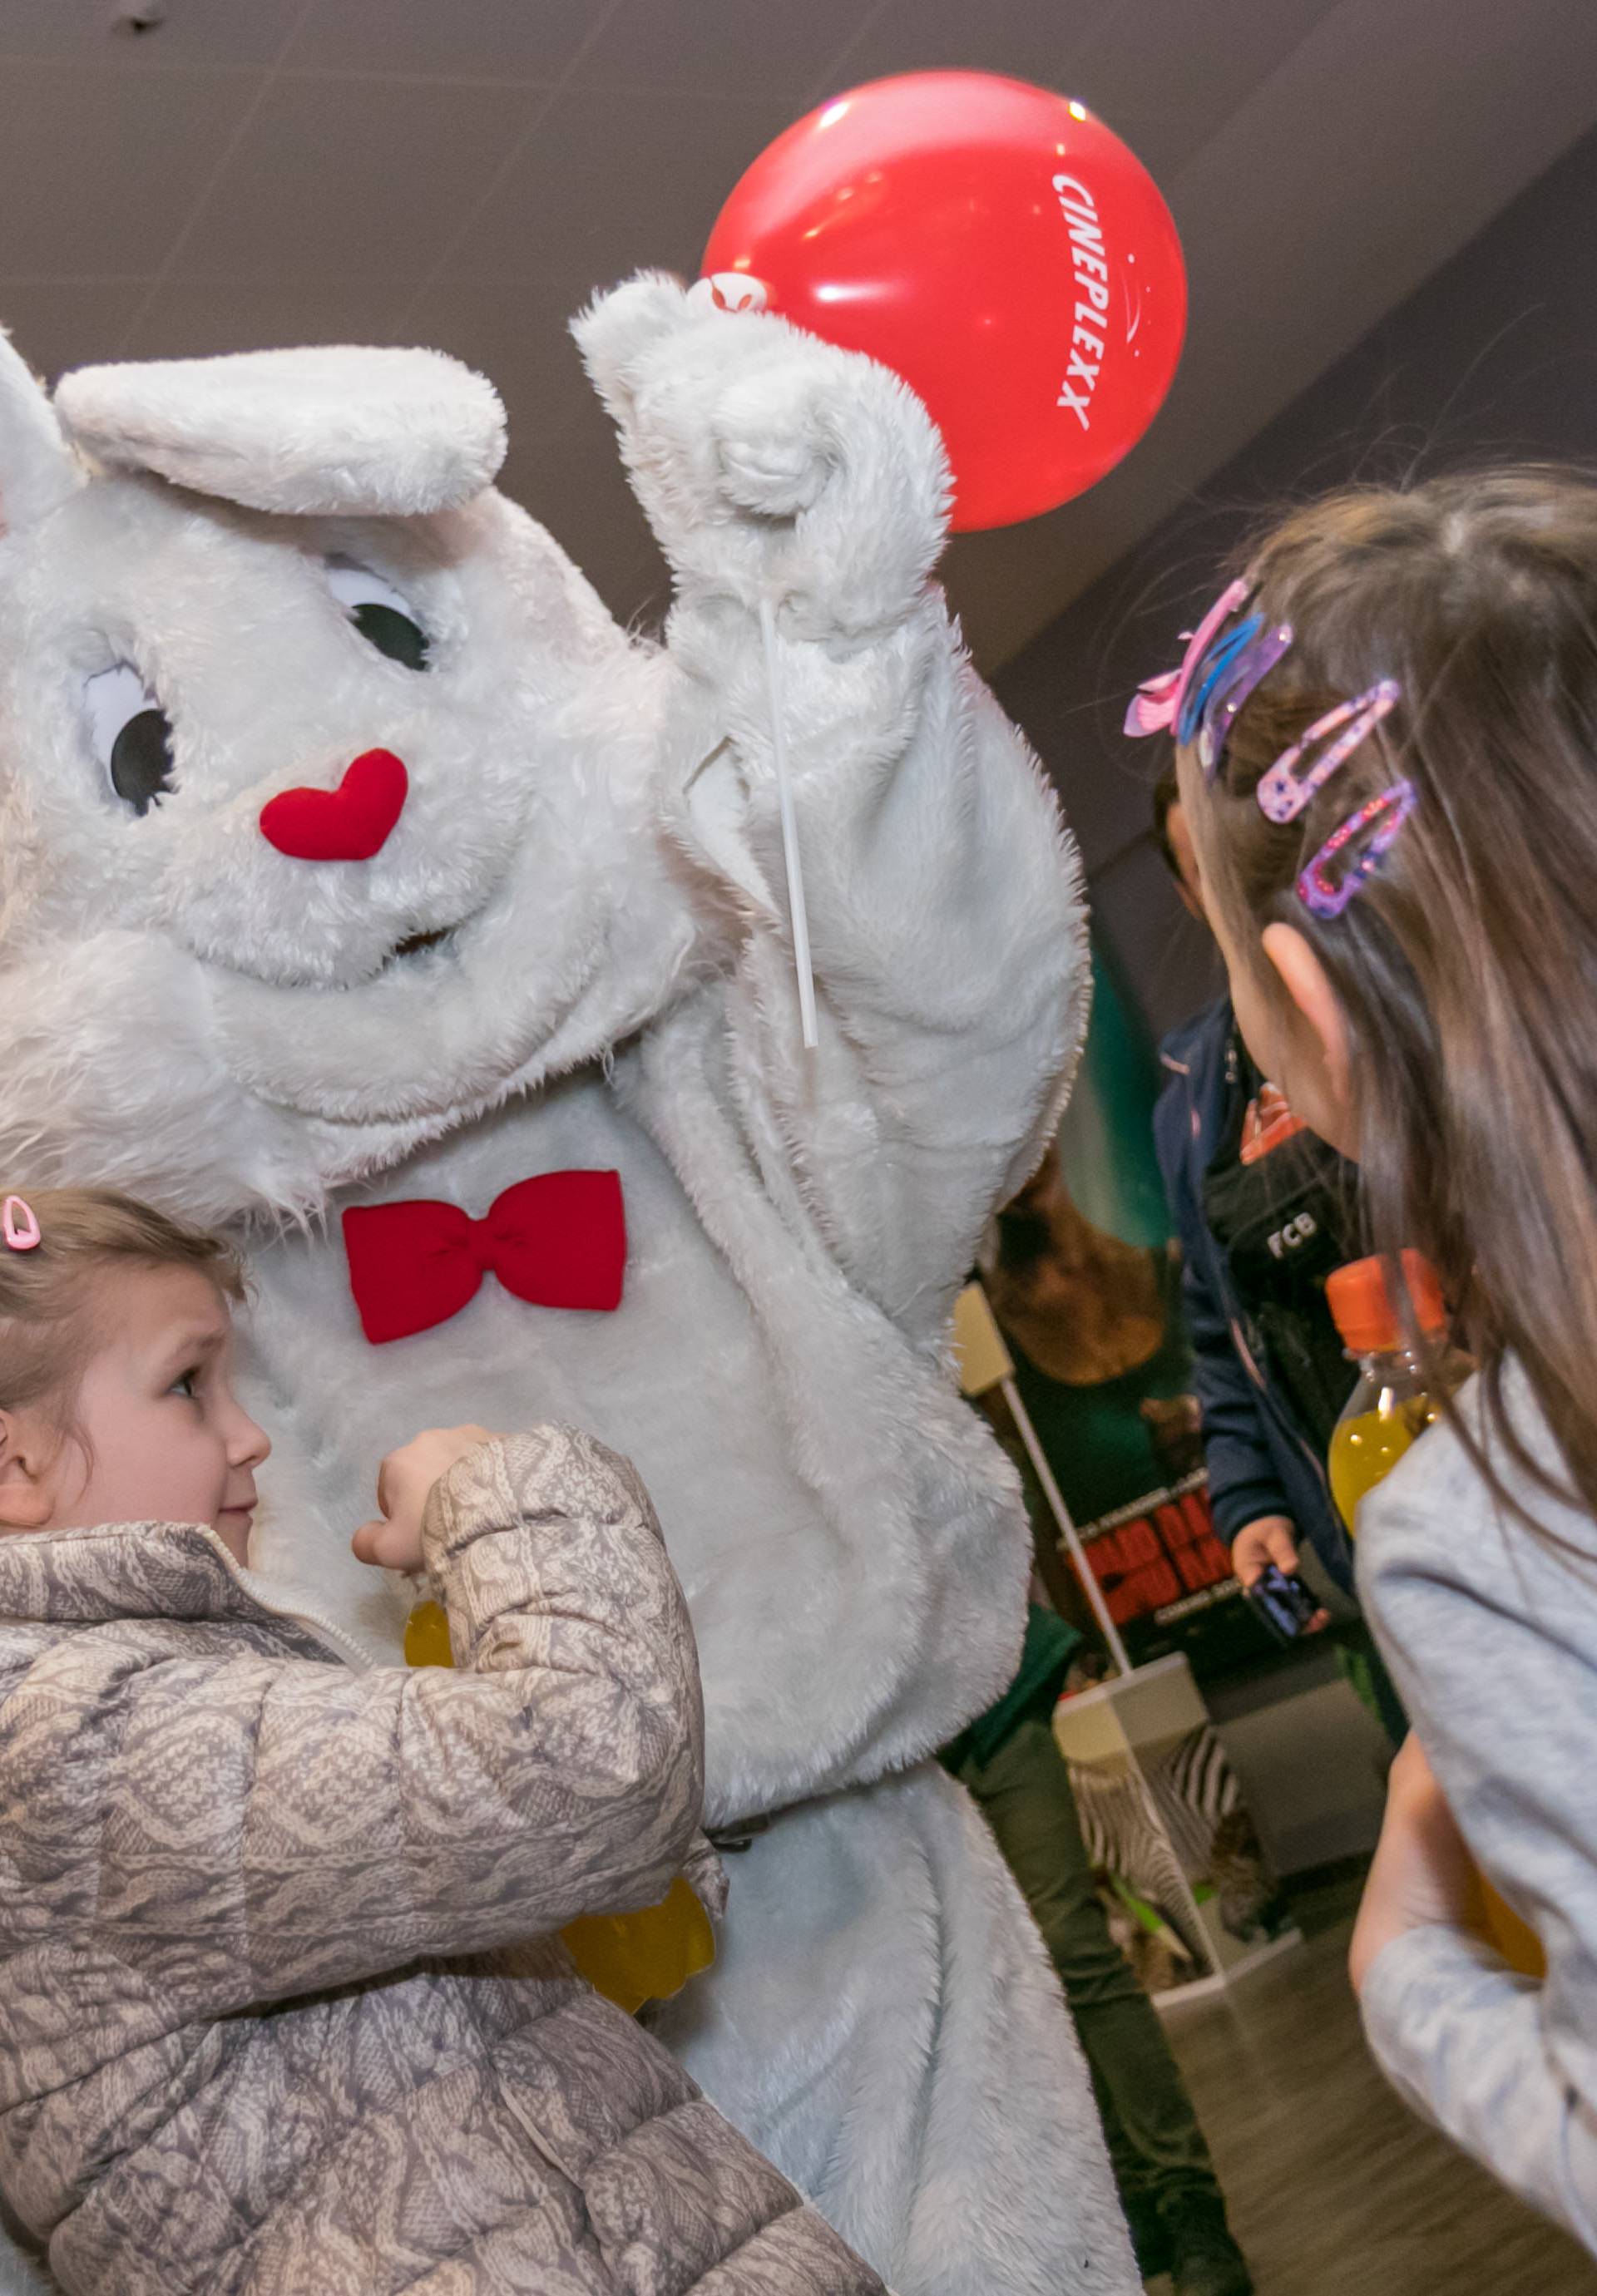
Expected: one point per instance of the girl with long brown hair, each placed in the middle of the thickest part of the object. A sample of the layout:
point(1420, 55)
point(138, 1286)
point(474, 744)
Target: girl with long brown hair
point(1386, 734)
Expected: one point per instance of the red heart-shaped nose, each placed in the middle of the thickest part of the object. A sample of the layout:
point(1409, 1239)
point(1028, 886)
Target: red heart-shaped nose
point(348, 824)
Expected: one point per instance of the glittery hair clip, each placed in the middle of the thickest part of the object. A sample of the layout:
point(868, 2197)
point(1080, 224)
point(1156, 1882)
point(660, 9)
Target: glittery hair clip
point(1199, 702)
point(1228, 685)
point(18, 1227)
point(1288, 787)
point(1370, 833)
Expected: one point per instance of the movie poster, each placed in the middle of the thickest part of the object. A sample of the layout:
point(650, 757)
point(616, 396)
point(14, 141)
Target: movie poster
point(1083, 1277)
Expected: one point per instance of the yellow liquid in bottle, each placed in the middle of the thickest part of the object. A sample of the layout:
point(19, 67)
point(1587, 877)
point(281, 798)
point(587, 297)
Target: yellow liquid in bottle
point(1514, 1939)
point(629, 1959)
point(1364, 1450)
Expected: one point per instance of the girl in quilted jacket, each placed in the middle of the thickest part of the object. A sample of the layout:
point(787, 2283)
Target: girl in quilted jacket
point(282, 2008)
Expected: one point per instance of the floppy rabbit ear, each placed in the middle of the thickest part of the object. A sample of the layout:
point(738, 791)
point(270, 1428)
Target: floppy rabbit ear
point(38, 469)
point(384, 433)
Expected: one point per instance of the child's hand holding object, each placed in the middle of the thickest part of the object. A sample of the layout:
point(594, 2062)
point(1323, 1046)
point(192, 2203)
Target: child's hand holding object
point(405, 1480)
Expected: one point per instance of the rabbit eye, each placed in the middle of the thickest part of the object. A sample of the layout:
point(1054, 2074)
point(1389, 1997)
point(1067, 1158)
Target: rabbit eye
point(132, 736)
point(382, 617)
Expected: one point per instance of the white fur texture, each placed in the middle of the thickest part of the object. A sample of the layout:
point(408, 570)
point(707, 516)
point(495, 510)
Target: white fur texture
point(37, 466)
point(382, 433)
point(592, 825)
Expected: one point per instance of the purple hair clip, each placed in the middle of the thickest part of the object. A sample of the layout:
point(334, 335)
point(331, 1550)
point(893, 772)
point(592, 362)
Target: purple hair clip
point(1200, 701)
point(18, 1227)
point(1285, 790)
point(1230, 682)
point(1376, 822)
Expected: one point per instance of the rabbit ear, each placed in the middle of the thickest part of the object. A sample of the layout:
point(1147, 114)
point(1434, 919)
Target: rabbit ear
point(38, 469)
point(384, 433)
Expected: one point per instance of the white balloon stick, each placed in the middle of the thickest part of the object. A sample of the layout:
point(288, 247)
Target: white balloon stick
point(790, 842)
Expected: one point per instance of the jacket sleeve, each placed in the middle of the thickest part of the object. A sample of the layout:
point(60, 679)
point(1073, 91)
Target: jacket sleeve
point(1243, 1482)
point(1486, 1625)
point(331, 1824)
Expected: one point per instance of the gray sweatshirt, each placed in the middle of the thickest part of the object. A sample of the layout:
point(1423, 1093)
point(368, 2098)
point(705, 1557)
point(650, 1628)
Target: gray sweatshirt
point(1491, 1633)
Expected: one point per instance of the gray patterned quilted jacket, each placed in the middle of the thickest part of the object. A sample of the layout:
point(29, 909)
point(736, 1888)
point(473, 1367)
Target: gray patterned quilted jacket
point(270, 2024)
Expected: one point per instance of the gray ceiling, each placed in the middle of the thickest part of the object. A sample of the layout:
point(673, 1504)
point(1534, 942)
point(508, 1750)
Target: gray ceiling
point(461, 172)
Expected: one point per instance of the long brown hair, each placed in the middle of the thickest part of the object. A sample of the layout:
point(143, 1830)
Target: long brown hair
point(1466, 967)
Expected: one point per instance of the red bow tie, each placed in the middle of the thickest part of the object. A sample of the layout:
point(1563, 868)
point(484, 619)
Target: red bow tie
point(559, 1241)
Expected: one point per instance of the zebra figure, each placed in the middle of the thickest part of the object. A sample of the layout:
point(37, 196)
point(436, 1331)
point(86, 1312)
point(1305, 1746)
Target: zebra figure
point(1171, 1822)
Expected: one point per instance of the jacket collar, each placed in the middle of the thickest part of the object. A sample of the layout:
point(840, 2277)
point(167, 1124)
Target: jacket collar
point(1197, 1043)
point(156, 1570)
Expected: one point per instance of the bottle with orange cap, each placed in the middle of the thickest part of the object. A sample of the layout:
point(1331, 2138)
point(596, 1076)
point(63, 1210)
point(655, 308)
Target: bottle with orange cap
point(1394, 1402)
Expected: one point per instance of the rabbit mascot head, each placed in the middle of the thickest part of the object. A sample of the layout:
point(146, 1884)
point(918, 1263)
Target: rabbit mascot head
point(351, 857)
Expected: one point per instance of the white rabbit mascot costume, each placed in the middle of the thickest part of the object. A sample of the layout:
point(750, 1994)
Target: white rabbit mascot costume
point(351, 856)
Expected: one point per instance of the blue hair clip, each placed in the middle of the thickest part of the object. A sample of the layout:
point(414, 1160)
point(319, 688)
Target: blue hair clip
point(1213, 669)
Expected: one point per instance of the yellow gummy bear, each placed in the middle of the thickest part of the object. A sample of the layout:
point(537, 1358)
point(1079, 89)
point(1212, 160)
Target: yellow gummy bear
point(629, 1959)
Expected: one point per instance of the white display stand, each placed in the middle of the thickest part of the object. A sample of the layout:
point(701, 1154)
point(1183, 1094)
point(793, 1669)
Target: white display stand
point(1122, 1737)
point(1118, 1730)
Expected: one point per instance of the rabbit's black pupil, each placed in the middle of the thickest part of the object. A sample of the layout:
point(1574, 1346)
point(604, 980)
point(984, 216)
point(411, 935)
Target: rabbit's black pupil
point(140, 759)
point(392, 632)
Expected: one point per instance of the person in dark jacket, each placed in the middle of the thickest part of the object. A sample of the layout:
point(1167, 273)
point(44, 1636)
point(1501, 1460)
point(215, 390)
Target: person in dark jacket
point(1010, 1762)
point(1261, 1208)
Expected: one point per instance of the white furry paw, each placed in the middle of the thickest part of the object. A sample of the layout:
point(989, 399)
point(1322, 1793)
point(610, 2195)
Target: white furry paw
point(771, 464)
point(771, 438)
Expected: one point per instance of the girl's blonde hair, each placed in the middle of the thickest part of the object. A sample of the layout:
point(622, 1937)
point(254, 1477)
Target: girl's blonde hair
point(46, 1316)
point(1467, 966)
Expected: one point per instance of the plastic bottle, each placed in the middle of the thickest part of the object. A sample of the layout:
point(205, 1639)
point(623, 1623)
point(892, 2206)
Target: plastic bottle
point(629, 1959)
point(1392, 1405)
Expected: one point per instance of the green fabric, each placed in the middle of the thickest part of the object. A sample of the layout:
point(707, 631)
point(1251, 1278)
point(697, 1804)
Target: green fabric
point(1096, 1440)
point(1155, 2145)
point(1051, 1643)
point(1105, 1135)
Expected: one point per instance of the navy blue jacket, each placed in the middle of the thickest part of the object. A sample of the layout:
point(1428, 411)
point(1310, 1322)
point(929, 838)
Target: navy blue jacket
point(1261, 1460)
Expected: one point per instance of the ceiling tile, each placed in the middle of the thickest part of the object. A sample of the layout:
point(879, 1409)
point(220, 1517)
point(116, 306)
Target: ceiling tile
point(57, 324)
point(520, 340)
point(213, 33)
point(575, 486)
point(615, 180)
point(101, 170)
point(1164, 76)
point(721, 47)
point(332, 180)
point(186, 318)
point(1028, 39)
point(533, 39)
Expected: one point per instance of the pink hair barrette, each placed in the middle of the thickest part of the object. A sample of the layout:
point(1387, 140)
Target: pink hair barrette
point(1286, 790)
point(18, 1226)
point(1158, 699)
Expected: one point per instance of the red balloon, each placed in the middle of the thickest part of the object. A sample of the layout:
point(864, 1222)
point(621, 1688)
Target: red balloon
point(997, 246)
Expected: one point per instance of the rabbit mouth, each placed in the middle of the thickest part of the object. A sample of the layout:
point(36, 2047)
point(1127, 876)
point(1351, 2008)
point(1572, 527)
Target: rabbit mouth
point(417, 943)
point(438, 939)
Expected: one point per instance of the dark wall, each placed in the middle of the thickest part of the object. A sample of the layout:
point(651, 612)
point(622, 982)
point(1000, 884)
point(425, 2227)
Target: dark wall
point(1496, 355)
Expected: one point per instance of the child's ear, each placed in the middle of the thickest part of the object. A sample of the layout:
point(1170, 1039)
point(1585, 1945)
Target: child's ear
point(27, 1488)
point(1326, 1100)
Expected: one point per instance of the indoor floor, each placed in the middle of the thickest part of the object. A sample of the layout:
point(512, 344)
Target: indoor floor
point(1335, 2189)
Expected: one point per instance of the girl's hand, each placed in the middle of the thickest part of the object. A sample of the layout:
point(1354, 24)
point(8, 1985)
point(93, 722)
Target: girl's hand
point(405, 1480)
point(1422, 1872)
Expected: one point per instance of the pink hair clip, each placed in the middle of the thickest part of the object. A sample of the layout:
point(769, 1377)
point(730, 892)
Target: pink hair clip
point(1154, 705)
point(1284, 792)
point(18, 1226)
